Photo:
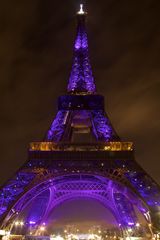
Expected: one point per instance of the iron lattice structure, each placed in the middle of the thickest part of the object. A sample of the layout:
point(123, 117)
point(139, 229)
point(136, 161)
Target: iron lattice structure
point(81, 157)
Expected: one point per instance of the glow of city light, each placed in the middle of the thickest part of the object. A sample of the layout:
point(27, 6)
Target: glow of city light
point(7, 233)
point(21, 223)
point(32, 222)
point(2, 232)
point(130, 223)
point(58, 237)
point(91, 236)
point(42, 228)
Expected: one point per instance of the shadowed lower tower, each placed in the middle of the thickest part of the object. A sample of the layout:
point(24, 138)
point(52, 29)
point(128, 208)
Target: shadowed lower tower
point(81, 156)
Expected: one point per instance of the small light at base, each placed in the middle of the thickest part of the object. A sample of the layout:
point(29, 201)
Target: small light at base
point(2, 232)
point(42, 228)
point(32, 222)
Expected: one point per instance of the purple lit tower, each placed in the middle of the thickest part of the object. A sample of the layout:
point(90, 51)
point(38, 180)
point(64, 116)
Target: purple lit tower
point(81, 156)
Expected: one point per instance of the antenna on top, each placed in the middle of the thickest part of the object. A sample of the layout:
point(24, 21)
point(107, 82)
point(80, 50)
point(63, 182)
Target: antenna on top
point(81, 11)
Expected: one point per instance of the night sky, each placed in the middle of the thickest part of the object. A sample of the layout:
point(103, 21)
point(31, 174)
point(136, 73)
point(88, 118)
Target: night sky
point(36, 39)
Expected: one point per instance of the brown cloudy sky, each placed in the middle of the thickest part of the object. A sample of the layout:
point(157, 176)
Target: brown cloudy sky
point(36, 39)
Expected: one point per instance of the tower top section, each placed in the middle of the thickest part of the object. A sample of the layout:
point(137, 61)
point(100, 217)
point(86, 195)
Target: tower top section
point(81, 11)
point(81, 78)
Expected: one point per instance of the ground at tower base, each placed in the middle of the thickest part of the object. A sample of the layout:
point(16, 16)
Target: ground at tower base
point(80, 159)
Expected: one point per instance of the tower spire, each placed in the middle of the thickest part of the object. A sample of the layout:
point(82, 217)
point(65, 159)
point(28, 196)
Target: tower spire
point(81, 78)
point(81, 11)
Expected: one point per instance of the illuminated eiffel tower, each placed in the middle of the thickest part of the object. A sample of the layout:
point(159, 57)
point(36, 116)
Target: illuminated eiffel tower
point(81, 156)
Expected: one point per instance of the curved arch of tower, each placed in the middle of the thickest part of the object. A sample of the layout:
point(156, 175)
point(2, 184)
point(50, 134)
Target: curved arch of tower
point(81, 157)
point(52, 191)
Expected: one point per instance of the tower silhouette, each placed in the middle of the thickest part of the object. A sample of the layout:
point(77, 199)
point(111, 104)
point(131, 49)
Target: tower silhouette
point(81, 156)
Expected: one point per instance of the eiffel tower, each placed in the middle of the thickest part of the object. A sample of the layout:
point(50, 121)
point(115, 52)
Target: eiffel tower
point(81, 156)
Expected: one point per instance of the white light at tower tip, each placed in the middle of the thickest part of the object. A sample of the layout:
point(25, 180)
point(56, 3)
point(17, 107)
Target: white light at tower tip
point(81, 11)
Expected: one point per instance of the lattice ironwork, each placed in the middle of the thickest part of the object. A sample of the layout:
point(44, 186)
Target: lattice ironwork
point(70, 187)
point(125, 210)
point(57, 128)
point(102, 127)
point(13, 189)
point(81, 77)
point(146, 187)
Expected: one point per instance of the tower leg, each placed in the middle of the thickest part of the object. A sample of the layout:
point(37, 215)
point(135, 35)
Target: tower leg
point(146, 188)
